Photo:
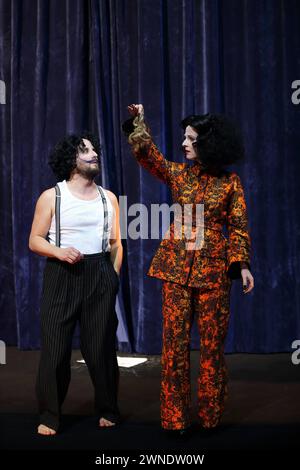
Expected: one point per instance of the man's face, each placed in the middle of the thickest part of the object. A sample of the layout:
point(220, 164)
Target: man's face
point(190, 136)
point(87, 160)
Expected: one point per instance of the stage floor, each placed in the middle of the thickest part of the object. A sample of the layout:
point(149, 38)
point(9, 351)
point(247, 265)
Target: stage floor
point(262, 412)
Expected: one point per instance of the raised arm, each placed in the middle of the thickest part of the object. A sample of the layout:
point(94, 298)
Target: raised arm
point(143, 148)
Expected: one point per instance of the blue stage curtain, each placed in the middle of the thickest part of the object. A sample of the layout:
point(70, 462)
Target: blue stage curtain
point(76, 64)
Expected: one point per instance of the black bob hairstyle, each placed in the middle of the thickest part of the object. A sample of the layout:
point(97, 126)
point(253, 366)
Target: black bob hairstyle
point(219, 142)
point(62, 159)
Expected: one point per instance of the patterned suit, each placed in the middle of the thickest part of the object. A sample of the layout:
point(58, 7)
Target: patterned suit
point(197, 282)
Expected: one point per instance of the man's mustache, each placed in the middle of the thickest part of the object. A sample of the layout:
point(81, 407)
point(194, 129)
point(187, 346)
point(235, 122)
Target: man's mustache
point(93, 160)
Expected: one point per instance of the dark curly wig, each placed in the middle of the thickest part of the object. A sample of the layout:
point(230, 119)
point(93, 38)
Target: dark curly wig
point(63, 157)
point(219, 142)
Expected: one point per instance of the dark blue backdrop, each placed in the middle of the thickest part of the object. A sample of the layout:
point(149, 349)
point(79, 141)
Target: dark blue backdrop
point(73, 64)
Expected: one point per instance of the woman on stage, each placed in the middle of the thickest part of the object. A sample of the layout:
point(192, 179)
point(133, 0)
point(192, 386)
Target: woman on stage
point(197, 281)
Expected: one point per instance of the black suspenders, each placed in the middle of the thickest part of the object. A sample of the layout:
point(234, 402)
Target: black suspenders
point(57, 215)
point(105, 220)
point(57, 218)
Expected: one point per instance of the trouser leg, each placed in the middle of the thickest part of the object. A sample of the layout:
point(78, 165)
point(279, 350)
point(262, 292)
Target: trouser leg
point(212, 309)
point(60, 304)
point(98, 326)
point(175, 384)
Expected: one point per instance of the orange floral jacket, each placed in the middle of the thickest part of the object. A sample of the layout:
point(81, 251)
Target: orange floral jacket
point(224, 205)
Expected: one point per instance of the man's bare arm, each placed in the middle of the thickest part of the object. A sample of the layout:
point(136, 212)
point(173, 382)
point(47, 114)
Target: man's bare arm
point(116, 253)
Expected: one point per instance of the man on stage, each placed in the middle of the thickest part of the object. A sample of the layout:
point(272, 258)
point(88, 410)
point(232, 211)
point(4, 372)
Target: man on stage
point(76, 226)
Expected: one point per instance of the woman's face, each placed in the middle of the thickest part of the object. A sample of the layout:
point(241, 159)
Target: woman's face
point(190, 136)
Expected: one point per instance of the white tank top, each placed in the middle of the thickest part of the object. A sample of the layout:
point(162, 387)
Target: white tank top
point(81, 222)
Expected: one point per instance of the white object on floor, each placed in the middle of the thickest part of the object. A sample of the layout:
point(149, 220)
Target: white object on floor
point(130, 361)
point(124, 361)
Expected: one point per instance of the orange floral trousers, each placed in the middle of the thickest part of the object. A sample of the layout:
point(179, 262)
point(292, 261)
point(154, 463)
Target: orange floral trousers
point(210, 307)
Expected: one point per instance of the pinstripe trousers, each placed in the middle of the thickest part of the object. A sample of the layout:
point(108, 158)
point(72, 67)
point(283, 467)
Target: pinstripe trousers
point(84, 292)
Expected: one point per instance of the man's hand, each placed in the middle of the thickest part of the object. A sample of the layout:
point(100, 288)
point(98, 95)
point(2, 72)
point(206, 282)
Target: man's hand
point(136, 109)
point(69, 255)
point(248, 280)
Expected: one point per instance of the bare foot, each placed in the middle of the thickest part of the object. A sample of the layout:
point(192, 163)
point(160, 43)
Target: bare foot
point(105, 423)
point(42, 429)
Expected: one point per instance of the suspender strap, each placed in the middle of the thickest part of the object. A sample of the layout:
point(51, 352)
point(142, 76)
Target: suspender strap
point(57, 218)
point(105, 221)
point(57, 215)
